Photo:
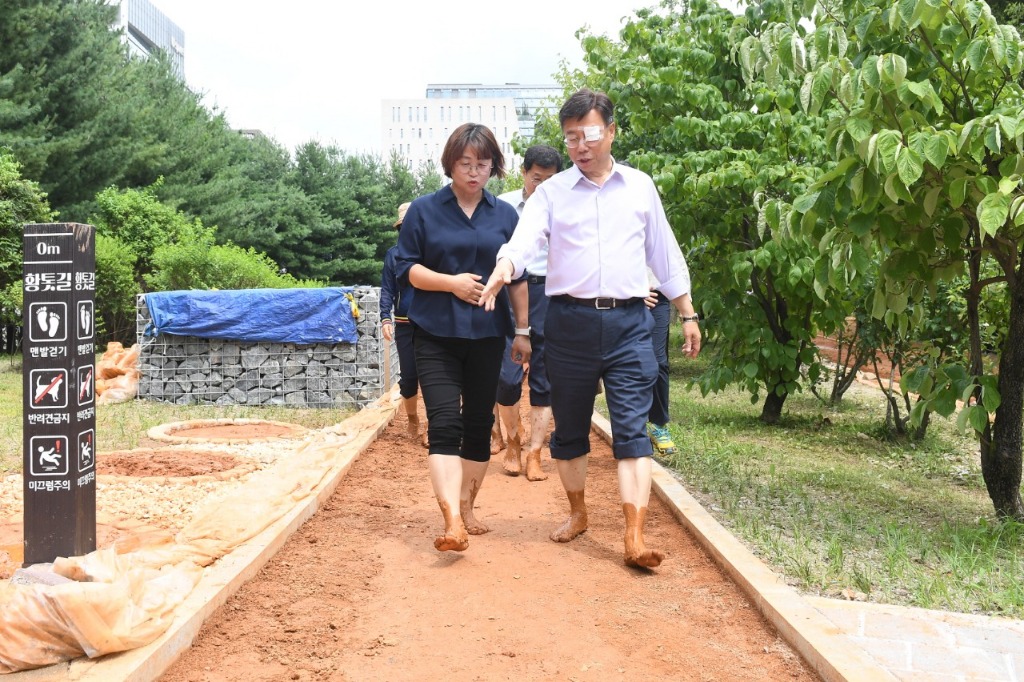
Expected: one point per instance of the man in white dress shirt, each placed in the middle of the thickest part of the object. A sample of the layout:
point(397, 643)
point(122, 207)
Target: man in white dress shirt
point(604, 225)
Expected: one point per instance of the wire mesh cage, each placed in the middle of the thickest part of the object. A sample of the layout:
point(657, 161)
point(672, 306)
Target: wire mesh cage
point(191, 370)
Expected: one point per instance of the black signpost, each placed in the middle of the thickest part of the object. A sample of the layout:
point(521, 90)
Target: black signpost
point(59, 403)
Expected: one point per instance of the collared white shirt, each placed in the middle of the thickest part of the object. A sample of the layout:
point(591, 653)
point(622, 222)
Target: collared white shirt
point(539, 265)
point(600, 239)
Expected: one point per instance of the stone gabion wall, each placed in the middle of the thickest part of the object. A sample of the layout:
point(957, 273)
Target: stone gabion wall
point(190, 370)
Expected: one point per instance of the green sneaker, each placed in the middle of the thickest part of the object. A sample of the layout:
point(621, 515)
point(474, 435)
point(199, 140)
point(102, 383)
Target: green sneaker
point(661, 440)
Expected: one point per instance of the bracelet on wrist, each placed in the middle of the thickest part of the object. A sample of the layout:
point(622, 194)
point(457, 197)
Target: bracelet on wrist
point(690, 318)
point(522, 331)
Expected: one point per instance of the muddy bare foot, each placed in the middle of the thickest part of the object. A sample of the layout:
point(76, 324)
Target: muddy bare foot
point(473, 526)
point(511, 463)
point(455, 538)
point(412, 427)
point(649, 558)
point(636, 553)
point(534, 472)
point(575, 525)
point(451, 543)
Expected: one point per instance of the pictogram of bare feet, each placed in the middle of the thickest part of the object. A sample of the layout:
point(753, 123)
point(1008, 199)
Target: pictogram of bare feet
point(636, 553)
point(54, 325)
point(473, 525)
point(42, 320)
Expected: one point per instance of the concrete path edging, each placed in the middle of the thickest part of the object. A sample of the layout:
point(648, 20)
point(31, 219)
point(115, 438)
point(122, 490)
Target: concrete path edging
point(813, 636)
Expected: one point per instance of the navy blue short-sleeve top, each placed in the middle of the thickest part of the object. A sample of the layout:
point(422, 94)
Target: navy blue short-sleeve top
point(438, 235)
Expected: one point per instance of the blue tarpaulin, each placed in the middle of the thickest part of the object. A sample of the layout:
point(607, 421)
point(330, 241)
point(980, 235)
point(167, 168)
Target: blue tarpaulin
point(279, 315)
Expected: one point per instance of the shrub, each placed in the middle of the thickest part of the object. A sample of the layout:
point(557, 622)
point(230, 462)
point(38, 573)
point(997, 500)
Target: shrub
point(200, 264)
point(116, 290)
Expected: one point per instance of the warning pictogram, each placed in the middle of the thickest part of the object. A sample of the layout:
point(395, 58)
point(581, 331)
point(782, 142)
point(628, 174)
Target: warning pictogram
point(86, 450)
point(86, 384)
point(49, 389)
point(48, 322)
point(49, 455)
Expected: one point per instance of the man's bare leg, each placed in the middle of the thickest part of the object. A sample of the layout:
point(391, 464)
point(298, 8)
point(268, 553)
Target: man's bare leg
point(446, 479)
point(472, 479)
point(635, 489)
point(573, 473)
point(540, 417)
point(497, 442)
point(514, 432)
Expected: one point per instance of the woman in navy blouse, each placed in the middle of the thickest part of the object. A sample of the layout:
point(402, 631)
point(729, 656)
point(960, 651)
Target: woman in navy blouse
point(447, 246)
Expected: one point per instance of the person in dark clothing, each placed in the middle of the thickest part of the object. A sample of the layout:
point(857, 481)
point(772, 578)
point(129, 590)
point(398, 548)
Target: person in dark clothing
point(397, 328)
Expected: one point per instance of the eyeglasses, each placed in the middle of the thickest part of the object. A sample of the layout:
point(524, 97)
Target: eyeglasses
point(590, 135)
point(481, 168)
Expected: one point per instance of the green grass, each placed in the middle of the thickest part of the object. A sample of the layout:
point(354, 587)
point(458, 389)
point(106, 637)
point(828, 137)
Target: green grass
point(832, 504)
point(124, 425)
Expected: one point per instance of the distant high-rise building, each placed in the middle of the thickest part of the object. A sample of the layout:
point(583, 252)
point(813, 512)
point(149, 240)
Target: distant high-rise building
point(147, 30)
point(418, 128)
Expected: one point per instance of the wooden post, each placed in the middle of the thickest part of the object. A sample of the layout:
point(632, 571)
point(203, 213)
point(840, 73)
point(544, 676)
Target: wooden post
point(59, 396)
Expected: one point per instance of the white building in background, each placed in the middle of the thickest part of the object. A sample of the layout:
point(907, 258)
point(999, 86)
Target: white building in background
point(418, 128)
point(147, 30)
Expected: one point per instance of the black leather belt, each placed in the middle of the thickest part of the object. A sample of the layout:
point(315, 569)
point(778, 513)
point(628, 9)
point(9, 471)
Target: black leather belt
point(536, 279)
point(601, 303)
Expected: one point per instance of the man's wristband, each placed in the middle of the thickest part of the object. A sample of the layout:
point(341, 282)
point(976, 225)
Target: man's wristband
point(522, 331)
point(690, 318)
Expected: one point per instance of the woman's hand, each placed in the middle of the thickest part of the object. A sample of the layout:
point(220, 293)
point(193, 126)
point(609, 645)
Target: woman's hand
point(467, 287)
point(387, 330)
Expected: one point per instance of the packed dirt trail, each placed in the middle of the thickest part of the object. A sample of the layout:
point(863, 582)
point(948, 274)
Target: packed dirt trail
point(360, 593)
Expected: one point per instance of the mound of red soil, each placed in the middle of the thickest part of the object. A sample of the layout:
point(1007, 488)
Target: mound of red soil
point(164, 463)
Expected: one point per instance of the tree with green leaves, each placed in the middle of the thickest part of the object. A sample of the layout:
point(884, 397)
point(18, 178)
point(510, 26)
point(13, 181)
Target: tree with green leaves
point(928, 151)
point(21, 202)
point(358, 196)
point(718, 150)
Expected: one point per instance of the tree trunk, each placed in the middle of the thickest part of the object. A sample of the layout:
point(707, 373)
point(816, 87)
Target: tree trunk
point(771, 411)
point(1001, 456)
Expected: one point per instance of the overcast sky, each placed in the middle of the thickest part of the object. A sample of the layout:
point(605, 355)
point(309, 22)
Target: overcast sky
point(318, 69)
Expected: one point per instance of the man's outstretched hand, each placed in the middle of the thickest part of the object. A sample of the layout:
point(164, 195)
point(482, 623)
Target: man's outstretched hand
point(501, 276)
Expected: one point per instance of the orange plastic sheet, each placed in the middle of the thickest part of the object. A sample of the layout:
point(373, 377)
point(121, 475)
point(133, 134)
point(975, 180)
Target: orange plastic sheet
point(124, 596)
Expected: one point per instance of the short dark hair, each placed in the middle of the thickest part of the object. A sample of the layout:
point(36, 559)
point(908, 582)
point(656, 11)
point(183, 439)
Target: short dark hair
point(542, 155)
point(582, 102)
point(480, 139)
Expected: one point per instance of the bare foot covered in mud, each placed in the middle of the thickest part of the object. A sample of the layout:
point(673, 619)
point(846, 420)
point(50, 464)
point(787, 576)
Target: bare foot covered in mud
point(497, 441)
point(469, 520)
point(511, 464)
point(455, 538)
point(451, 542)
point(534, 472)
point(575, 525)
point(636, 553)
